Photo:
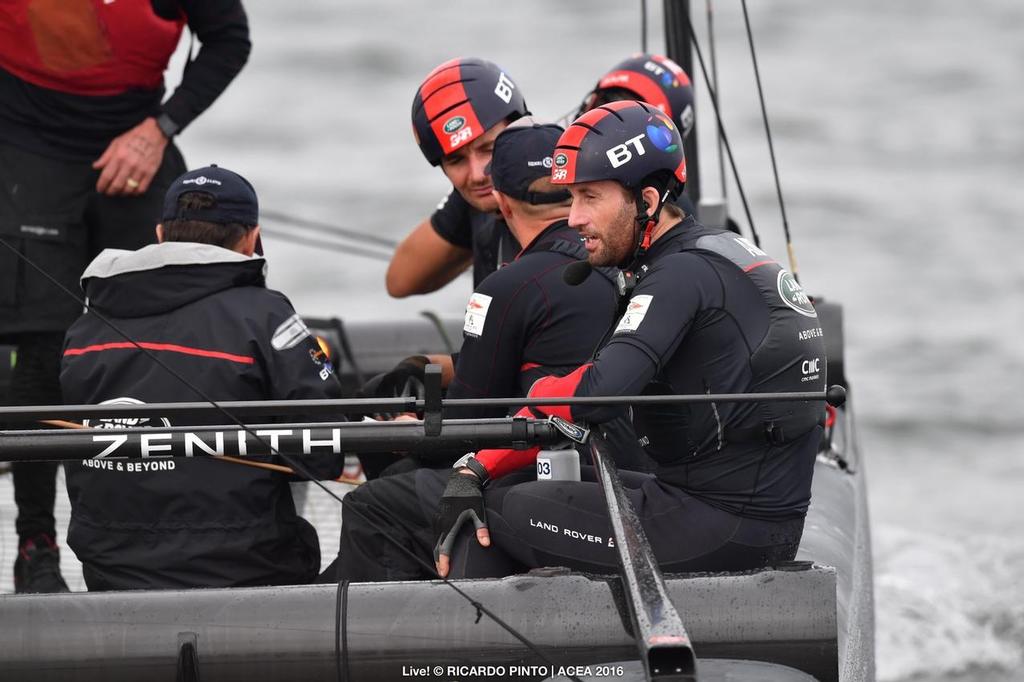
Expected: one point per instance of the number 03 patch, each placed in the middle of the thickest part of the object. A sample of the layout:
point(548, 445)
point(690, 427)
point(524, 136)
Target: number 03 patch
point(635, 312)
point(476, 314)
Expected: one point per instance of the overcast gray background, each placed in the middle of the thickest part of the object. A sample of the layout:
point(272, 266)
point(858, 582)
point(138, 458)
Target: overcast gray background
point(899, 138)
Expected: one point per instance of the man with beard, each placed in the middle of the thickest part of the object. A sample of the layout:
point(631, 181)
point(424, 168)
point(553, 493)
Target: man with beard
point(701, 311)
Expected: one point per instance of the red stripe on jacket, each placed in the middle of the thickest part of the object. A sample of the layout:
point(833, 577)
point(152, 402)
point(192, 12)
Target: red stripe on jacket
point(167, 347)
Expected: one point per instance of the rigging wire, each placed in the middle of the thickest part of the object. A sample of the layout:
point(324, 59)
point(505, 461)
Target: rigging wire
point(643, 26)
point(326, 244)
point(771, 146)
point(327, 228)
point(301, 468)
point(721, 130)
point(715, 94)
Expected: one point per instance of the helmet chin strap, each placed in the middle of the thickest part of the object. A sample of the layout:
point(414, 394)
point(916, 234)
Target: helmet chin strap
point(643, 227)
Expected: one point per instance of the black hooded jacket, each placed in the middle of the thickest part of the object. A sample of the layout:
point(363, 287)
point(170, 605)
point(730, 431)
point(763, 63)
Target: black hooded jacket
point(170, 523)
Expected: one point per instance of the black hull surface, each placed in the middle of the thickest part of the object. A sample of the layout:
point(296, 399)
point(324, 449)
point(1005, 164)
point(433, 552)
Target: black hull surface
point(815, 615)
point(289, 633)
point(811, 617)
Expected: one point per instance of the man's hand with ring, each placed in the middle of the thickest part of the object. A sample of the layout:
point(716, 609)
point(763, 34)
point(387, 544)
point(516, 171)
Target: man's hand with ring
point(462, 501)
point(131, 160)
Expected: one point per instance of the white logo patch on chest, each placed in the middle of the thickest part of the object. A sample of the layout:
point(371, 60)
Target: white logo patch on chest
point(476, 314)
point(635, 312)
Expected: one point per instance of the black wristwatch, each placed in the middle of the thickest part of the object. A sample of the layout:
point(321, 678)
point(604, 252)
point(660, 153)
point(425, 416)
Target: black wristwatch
point(167, 126)
point(468, 461)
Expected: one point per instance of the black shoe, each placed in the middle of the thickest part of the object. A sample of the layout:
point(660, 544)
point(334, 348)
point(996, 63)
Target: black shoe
point(37, 568)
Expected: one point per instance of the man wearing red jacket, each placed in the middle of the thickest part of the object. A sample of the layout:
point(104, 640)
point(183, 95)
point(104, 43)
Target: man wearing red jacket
point(86, 154)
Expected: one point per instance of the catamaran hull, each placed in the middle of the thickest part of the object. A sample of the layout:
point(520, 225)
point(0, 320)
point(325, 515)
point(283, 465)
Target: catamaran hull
point(385, 631)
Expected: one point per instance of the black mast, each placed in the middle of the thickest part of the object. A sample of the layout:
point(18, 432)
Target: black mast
point(679, 50)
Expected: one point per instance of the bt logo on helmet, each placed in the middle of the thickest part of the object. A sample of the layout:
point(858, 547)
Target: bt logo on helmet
point(620, 154)
point(661, 73)
point(504, 88)
point(660, 137)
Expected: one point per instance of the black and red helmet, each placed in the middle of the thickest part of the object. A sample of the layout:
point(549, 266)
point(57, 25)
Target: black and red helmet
point(626, 141)
point(459, 101)
point(649, 78)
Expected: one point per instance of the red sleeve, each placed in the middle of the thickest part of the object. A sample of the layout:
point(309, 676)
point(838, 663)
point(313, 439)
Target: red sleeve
point(499, 462)
point(558, 387)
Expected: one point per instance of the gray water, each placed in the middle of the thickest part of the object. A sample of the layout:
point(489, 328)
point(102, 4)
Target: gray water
point(899, 138)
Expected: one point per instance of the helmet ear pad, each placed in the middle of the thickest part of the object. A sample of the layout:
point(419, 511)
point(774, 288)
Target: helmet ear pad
point(663, 181)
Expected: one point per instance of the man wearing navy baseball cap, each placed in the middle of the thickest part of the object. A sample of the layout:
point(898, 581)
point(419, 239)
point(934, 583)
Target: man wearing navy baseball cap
point(212, 205)
point(522, 323)
point(196, 301)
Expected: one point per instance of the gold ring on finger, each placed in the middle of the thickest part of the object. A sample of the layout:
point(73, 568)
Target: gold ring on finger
point(132, 183)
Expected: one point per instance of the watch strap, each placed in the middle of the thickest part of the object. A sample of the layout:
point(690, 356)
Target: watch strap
point(167, 125)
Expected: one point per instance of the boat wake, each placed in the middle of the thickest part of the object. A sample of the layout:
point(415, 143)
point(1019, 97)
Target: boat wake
point(947, 609)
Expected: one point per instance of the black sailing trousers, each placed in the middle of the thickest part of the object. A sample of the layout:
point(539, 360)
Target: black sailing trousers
point(51, 213)
point(548, 523)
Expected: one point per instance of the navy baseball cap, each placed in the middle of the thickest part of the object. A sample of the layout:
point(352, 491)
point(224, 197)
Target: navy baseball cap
point(234, 197)
point(522, 154)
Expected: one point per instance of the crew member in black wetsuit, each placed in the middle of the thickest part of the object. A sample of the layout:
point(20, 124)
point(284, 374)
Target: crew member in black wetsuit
point(702, 311)
point(457, 113)
point(653, 79)
point(522, 322)
point(649, 78)
point(86, 154)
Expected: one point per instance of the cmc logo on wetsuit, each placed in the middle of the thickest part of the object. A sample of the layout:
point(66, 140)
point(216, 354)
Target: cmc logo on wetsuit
point(811, 369)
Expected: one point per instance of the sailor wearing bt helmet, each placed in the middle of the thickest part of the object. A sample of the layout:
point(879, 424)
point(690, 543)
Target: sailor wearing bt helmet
point(458, 111)
point(655, 80)
point(701, 311)
point(647, 78)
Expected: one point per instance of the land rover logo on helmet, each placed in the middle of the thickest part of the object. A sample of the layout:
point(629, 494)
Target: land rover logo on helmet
point(793, 294)
point(454, 123)
point(561, 159)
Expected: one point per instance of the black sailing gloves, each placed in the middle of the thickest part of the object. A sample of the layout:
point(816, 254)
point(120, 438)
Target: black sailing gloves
point(462, 501)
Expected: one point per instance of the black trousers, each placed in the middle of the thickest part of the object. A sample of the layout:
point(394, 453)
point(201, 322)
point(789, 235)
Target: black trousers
point(548, 523)
point(35, 381)
point(51, 213)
